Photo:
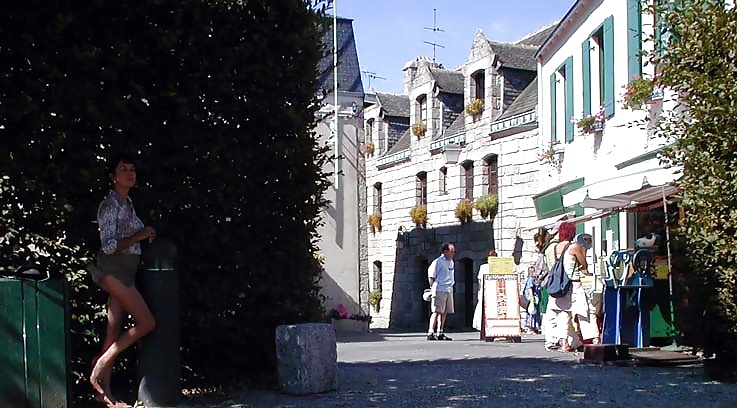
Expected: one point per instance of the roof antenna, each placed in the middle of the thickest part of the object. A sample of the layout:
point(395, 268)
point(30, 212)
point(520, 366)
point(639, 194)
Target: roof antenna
point(434, 30)
point(371, 75)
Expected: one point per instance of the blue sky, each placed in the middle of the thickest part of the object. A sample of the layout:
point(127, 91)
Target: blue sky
point(390, 32)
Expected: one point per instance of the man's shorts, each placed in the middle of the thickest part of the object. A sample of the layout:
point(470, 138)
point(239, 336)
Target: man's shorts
point(442, 302)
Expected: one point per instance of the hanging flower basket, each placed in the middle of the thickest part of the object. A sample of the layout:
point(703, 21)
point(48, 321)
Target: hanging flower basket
point(419, 129)
point(637, 92)
point(464, 211)
point(375, 299)
point(476, 107)
point(552, 156)
point(487, 206)
point(592, 123)
point(419, 215)
point(374, 221)
point(370, 148)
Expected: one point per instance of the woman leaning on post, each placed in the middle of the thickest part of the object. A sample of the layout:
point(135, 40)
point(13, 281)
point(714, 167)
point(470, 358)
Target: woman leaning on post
point(121, 232)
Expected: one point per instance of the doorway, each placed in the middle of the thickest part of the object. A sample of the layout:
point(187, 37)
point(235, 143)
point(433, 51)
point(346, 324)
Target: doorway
point(422, 284)
point(463, 297)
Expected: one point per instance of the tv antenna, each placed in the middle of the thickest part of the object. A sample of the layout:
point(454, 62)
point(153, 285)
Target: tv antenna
point(371, 75)
point(434, 30)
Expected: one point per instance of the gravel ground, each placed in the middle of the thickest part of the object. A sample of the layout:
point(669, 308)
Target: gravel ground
point(404, 370)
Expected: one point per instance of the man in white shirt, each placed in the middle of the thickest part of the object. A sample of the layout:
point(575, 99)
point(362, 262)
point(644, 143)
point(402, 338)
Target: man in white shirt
point(441, 275)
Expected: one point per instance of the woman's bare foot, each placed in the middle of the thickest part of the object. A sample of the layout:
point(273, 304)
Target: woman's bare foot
point(97, 377)
point(106, 400)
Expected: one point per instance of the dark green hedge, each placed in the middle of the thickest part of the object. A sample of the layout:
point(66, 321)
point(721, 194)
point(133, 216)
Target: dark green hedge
point(216, 99)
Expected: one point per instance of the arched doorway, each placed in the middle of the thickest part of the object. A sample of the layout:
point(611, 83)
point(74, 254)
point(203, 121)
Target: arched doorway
point(422, 283)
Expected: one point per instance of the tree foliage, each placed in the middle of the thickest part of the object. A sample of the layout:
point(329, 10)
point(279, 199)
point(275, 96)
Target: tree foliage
point(217, 101)
point(699, 63)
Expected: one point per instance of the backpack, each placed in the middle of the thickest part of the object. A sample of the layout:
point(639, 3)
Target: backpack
point(543, 273)
point(559, 283)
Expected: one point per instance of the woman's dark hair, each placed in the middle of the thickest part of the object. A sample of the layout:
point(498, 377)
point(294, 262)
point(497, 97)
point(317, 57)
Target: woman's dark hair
point(118, 158)
point(566, 231)
point(446, 246)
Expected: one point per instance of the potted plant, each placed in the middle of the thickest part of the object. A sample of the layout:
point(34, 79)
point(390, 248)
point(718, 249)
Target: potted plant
point(552, 156)
point(592, 123)
point(370, 148)
point(419, 129)
point(476, 107)
point(343, 321)
point(375, 299)
point(419, 215)
point(464, 211)
point(374, 221)
point(487, 205)
point(637, 92)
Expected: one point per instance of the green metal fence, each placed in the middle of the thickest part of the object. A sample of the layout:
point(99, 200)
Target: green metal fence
point(34, 343)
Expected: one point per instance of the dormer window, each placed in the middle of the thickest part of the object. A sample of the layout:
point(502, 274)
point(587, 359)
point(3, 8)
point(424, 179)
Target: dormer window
point(478, 84)
point(421, 113)
point(370, 130)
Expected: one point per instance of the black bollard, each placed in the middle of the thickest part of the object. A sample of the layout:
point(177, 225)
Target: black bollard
point(158, 352)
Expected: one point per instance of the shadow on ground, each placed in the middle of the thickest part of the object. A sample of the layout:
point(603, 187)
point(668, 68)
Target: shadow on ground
point(482, 382)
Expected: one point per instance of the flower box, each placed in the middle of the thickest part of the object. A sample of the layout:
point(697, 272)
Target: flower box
point(350, 326)
point(656, 95)
point(596, 127)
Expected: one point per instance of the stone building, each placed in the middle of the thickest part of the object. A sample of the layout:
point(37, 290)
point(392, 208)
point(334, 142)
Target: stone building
point(447, 154)
point(342, 240)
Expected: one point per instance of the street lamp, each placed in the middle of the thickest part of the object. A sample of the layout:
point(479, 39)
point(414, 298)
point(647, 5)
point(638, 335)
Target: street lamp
point(451, 152)
point(402, 237)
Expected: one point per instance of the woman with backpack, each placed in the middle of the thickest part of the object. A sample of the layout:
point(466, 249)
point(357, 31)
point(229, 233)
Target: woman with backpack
point(545, 242)
point(574, 321)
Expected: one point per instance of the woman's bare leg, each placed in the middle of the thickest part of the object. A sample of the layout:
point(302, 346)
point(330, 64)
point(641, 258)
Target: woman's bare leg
point(132, 302)
point(115, 318)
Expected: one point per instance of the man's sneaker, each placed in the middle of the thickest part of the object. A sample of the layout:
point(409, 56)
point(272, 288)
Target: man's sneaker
point(432, 337)
point(442, 336)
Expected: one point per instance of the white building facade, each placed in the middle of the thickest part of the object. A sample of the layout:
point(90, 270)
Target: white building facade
point(586, 65)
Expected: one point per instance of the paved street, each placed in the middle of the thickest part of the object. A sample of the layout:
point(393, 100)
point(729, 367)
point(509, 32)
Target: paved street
point(404, 370)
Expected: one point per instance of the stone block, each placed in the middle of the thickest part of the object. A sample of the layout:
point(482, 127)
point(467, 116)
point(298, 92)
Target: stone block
point(307, 358)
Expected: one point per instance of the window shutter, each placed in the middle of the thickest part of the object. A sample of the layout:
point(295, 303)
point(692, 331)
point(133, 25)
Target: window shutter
point(553, 113)
point(586, 62)
point(569, 99)
point(609, 65)
point(634, 38)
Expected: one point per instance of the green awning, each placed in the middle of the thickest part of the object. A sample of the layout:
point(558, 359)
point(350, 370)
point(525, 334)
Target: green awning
point(549, 203)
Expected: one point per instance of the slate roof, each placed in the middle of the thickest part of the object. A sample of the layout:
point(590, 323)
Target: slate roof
point(538, 38)
point(525, 102)
point(349, 72)
point(402, 144)
point(514, 55)
point(458, 126)
point(393, 104)
point(448, 81)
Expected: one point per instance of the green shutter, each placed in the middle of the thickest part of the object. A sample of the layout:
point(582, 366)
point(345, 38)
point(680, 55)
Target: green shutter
point(609, 65)
point(634, 38)
point(553, 113)
point(569, 99)
point(586, 62)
